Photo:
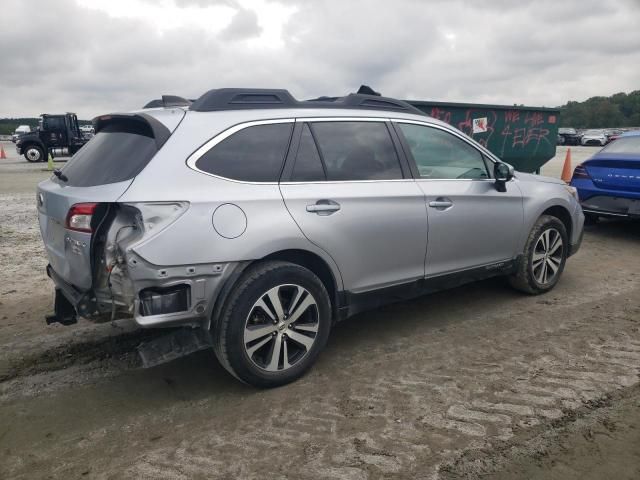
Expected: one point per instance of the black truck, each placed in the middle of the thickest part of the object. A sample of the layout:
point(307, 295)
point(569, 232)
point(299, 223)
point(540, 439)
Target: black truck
point(59, 135)
point(569, 136)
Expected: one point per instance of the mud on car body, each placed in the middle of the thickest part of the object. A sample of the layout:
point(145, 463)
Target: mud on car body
point(260, 220)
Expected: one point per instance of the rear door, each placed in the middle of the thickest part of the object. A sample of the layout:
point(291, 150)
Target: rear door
point(471, 224)
point(349, 195)
point(99, 173)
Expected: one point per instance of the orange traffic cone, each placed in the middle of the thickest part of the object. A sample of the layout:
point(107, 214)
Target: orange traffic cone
point(567, 171)
point(2, 154)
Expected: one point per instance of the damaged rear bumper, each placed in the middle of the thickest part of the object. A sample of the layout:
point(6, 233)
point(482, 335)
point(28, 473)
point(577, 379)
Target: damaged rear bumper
point(69, 302)
point(160, 297)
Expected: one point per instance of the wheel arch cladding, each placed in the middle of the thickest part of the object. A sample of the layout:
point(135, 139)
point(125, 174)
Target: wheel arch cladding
point(316, 264)
point(563, 215)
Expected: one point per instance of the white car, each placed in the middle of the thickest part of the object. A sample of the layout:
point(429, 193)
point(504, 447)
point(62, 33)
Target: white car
point(19, 131)
point(594, 137)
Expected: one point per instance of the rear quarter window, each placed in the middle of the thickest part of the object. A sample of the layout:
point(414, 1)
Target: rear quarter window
point(254, 154)
point(117, 153)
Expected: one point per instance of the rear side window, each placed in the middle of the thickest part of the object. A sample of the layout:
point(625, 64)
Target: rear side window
point(54, 123)
point(117, 153)
point(357, 150)
point(254, 154)
point(308, 166)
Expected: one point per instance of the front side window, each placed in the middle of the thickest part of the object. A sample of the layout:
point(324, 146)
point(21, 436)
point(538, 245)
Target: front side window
point(353, 150)
point(254, 154)
point(441, 155)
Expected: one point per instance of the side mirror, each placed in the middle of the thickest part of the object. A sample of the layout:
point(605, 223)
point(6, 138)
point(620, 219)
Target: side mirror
point(502, 172)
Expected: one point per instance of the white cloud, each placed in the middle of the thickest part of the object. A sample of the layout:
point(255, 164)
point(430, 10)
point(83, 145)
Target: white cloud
point(94, 56)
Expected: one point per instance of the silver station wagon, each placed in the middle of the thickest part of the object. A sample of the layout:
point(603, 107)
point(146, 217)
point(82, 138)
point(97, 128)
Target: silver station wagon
point(259, 220)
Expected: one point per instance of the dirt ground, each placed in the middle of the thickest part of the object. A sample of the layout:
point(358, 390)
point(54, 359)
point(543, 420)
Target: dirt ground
point(476, 382)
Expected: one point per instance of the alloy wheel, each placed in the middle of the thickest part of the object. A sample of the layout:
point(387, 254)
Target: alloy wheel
point(281, 327)
point(33, 154)
point(547, 256)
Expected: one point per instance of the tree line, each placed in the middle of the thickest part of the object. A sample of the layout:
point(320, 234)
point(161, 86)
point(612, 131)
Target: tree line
point(619, 110)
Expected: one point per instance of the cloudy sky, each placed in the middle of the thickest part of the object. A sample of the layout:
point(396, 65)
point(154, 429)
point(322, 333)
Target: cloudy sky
point(98, 56)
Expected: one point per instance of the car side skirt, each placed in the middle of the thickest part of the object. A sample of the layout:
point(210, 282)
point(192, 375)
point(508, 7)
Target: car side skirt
point(350, 303)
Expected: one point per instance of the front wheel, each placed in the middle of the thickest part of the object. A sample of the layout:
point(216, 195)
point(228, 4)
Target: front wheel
point(544, 257)
point(274, 324)
point(33, 154)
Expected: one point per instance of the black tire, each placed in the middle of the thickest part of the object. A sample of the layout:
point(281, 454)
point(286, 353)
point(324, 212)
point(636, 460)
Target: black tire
point(527, 277)
point(34, 154)
point(228, 331)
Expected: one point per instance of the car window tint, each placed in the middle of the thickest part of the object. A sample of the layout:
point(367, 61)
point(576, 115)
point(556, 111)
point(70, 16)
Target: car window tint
point(308, 165)
point(357, 150)
point(441, 155)
point(117, 153)
point(254, 154)
point(629, 145)
point(54, 123)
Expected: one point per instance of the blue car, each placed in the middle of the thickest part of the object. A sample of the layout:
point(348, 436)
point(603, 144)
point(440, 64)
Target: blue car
point(608, 183)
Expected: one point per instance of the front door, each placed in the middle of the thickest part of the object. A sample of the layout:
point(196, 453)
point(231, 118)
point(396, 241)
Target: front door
point(348, 194)
point(471, 223)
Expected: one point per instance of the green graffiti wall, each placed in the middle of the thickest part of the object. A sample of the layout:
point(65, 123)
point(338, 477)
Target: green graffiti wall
point(525, 137)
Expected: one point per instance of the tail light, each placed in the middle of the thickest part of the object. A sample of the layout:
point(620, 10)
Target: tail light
point(580, 172)
point(79, 217)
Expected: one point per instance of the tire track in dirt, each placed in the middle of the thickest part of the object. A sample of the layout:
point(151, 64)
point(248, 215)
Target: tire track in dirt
point(405, 418)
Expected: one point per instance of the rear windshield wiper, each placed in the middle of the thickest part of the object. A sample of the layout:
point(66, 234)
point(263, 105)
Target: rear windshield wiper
point(58, 173)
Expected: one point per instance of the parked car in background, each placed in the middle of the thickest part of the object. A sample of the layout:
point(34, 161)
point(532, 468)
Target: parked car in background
point(22, 129)
point(594, 137)
point(568, 136)
point(613, 134)
point(608, 183)
point(262, 220)
point(87, 131)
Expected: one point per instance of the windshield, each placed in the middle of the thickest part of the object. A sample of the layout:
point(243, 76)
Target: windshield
point(628, 145)
point(117, 153)
point(593, 132)
point(568, 131)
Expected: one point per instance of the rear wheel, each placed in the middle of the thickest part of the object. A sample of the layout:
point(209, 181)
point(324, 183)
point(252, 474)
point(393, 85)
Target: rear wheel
point(34, 153)
point(274, 325)
point(544, 257)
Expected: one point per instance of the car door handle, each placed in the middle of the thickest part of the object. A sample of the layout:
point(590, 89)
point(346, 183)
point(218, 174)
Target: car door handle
point(324, 207)
point(441, 203)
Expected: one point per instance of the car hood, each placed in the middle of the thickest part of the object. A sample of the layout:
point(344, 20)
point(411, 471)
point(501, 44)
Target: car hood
point(28, 136)
point(529, 177)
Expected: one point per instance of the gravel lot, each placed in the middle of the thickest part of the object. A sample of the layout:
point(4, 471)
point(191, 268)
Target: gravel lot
point(476, 382)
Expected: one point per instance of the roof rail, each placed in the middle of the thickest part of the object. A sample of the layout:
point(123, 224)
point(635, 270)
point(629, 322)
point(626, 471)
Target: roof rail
point(168, 101)
point(266, 98)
